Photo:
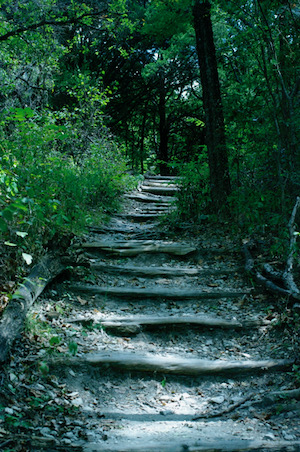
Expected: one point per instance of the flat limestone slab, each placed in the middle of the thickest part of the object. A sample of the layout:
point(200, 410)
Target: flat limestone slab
point(161, 271)
point(218, 445)
point(205, 321)
point(159, 183)
point(172, 364)
point(141, 217)
point(169, 191)
point(164, 178)
point(135, 247)
point(157, 292)
point(163, 200)
point(153, 208)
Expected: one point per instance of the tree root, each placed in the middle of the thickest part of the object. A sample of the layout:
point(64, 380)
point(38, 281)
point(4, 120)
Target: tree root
point(281, 283)
point(269, 399)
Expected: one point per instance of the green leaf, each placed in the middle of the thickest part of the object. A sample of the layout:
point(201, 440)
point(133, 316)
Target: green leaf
point(7, 214)
point(21, 234)
point(27, 258)
point(10, 244)
point(3, 225)
point(55, 340)
point(73, 346)
point(28, 112)
point(43, 368)
point(19, 114)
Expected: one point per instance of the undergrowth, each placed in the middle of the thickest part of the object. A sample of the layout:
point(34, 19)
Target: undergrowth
point(45, 191)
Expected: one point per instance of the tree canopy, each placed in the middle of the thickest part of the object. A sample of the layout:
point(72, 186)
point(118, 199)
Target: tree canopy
point(91, 91)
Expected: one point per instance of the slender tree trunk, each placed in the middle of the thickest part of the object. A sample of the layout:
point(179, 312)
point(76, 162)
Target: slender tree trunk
point(215, 129)
point(142, 140)
point(286, 123)
point(163, 129)
point(288, 95)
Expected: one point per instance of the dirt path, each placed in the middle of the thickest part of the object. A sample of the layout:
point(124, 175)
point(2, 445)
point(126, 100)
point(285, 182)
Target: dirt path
point(159, 345)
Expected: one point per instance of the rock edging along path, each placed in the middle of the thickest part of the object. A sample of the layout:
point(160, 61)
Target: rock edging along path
point(153, 344)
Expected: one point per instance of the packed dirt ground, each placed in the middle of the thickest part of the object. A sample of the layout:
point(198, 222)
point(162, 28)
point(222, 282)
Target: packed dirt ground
point(153, 340)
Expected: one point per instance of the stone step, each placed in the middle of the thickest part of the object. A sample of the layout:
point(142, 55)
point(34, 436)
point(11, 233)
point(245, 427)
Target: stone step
point(162, 271)
point(163, 200)
point(158, 183)
point(169, 191)
point(136, 247)
point(159, 292)
point(147, 444)
point(134, 324)
point(172, 364)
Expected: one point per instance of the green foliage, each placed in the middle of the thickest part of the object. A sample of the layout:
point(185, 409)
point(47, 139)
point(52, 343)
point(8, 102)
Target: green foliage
point(16, 420)
point(73, 346)
point(296, 374)
point(193, 198)
point(62, 87)
point(43, 368)
point(54, 341)
point(166, 18)
point(44, 192)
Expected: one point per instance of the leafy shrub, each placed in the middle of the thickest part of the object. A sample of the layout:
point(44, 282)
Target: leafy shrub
point(45, 192)
point(193, 198)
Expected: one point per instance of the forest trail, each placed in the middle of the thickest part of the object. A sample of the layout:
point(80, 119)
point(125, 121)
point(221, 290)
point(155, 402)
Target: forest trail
point(173, 350)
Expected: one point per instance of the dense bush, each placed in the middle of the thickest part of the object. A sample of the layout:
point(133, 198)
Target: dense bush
point(44, 191)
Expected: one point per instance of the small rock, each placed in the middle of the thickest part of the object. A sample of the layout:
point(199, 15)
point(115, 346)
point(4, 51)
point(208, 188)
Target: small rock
point(47, 432)
point(73, 394)
point(39, 387)
point(53, 315)
point(9, 410)
point(287, 436)
point(218, 400)
point(90, 435)
point(78, 422)
point(270, 436)
point(166, 413)
point(88, 410)
point(165, 398)
point(16, 408)
point(13, 378)
point(70, 435)
point(77, 402)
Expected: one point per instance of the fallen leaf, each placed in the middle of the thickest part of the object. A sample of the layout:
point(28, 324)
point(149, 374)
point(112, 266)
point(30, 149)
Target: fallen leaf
point(27, 258)
point(81, 300)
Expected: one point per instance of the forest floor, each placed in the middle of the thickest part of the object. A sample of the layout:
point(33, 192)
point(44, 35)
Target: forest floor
point(156, 342)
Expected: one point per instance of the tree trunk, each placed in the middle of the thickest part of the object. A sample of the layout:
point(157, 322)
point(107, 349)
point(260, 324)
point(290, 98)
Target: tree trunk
point(142, 140)
point(163, 129)
point(215, 129)
point(13, 318)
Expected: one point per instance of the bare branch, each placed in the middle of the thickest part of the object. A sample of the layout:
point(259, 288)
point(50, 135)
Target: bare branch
point(288, 275)
point(57, 22)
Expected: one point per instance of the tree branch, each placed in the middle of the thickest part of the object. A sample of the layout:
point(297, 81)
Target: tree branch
point(58, 22)
point(286, 279)
point(288, 275)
